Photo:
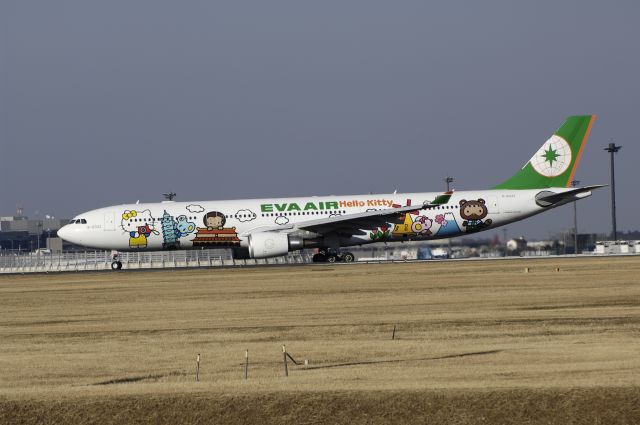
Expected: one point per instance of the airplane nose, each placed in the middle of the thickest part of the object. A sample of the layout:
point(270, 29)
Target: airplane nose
point(63, 232)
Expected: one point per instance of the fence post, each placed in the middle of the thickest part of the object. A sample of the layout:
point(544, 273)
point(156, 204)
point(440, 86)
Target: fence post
point(284, 357)
point(246, 364)
point(198, 368)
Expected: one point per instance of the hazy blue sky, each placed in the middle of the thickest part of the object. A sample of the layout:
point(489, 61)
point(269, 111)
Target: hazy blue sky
point(113, 101)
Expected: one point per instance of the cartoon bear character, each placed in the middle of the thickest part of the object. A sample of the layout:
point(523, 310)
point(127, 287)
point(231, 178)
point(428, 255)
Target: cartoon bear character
point(184, 226)
point(472, 213)
point(139, 225)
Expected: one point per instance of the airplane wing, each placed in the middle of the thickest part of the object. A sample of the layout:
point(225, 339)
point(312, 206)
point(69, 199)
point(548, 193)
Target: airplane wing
point(351, 224)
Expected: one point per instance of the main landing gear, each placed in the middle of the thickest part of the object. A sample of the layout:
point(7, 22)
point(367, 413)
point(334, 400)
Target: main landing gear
point(331, 256)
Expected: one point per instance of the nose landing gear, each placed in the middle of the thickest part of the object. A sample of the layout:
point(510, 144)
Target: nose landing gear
point(115, 263)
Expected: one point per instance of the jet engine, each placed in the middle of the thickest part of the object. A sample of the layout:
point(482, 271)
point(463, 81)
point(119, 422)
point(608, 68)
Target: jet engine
point(272, 244)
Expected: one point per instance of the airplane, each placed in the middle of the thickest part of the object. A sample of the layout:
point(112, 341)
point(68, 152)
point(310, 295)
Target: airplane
point(262, 228)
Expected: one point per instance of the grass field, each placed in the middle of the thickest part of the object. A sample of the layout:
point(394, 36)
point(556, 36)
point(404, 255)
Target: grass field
point(475, 342)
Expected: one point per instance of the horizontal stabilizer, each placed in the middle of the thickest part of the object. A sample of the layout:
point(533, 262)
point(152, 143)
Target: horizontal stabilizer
point(548, 198)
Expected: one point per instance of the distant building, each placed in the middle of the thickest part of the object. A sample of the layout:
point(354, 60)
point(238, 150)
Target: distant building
point(23, 234)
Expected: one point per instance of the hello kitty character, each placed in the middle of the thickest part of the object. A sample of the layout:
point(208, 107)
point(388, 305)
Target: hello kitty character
point(139, 225)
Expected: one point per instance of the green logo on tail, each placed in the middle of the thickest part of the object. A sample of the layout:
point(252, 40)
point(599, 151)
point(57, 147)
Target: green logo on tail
point(553, 158)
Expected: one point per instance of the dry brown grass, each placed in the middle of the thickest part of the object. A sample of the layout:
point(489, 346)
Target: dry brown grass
point(476, 342)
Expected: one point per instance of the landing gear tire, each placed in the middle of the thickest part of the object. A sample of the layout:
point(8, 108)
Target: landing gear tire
point(116, 265)
point(319, 258)
point(348, 257)
point(331, 259)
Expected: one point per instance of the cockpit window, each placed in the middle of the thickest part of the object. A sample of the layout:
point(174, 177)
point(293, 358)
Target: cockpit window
point(72, 222)
point(83, 221)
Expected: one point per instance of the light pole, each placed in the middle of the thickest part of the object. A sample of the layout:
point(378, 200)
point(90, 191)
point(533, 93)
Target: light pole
point(575, 183)
point(169, 196)
point(612, 149)
point(448, 180)
point(39, 232)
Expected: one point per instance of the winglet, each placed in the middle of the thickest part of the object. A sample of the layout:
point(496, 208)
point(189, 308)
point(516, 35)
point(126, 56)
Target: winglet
point(442, 199)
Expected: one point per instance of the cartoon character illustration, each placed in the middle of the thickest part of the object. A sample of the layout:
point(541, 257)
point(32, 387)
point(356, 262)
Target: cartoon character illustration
point(214, 220)
point(214, 233)
point(448, 224)
point(472, 212)
point(183, 226)
point(421, 226)
point(139, 225)
point(418, 226)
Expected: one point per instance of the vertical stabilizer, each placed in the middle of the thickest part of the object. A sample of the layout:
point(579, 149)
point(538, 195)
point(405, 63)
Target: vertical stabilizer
point(555, 163)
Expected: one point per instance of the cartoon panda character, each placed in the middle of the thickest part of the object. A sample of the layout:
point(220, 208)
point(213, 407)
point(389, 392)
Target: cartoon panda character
point(184, 226)
point(472, 212)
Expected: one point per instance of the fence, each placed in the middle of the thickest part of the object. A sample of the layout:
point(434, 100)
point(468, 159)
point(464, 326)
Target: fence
point(21, 262)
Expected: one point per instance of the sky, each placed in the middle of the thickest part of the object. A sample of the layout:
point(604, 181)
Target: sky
point(105, 103)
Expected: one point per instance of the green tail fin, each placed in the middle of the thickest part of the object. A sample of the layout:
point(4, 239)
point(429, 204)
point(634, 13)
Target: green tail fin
point(555, 163)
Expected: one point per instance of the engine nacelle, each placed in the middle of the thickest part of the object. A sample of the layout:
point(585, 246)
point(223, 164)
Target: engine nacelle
point(272, 244)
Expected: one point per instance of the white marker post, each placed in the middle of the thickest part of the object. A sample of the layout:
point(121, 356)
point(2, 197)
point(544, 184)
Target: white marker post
point(284, 356)
point(198, 368)
point(246, 364)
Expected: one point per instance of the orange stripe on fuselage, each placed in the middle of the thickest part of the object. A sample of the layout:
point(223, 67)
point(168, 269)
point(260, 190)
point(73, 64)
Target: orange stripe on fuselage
point(582, 144)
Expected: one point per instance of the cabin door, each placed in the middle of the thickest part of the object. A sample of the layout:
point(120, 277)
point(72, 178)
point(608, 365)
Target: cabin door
point(492, 205)
point(109, 221)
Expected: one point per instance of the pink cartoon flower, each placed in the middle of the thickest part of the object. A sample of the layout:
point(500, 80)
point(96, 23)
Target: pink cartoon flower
point(440, 220)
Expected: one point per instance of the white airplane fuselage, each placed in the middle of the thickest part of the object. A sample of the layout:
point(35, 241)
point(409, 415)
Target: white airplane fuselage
point(228, 224)
point(262, 228)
